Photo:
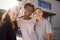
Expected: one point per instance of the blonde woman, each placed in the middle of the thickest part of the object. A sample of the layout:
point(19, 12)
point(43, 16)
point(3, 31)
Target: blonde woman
point(8, 28)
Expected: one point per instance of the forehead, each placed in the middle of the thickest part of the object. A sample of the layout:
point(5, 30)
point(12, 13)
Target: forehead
point(28, 7)
point(14, 9)
point(38, 10)
point(12, 12)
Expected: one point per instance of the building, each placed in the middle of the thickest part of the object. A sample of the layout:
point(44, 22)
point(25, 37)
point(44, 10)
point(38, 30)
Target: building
point(51, 9)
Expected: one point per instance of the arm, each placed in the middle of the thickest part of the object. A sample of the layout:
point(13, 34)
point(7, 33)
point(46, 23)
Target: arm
point(36, 32)
point(18, 23)
point(48, 30)
point(48, 36)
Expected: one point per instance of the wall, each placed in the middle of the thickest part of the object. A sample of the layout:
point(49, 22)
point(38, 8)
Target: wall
point(55, 5)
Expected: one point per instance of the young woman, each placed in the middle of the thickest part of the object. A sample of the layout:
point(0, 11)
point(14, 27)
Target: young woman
point(8, 27)
point(27, 24)
point(43, 27)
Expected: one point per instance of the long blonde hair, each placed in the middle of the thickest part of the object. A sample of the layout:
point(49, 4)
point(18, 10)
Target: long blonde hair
point(6, 17)
point(7, 12)
point(3, 16)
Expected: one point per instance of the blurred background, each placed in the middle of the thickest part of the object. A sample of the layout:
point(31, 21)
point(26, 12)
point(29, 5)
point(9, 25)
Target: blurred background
point(51, 10)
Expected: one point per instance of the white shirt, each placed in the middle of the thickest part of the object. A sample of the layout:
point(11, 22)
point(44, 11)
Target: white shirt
point(42, 28)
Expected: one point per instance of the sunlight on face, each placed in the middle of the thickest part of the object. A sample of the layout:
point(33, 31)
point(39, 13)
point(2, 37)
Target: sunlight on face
point(13, 13)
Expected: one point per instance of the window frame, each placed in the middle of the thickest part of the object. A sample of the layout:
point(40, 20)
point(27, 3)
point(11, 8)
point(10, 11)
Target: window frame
point(45, 4)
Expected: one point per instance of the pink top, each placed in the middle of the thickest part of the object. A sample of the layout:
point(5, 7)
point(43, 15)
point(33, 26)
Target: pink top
point(27, 29)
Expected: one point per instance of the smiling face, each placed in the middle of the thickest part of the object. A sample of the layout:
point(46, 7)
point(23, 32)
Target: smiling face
point(38, 12)
point(28, 11)
point(29, 8)
point(13, 14)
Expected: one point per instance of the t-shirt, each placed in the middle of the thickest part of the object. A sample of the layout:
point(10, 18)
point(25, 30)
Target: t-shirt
point(27, 29)
point(42, 28)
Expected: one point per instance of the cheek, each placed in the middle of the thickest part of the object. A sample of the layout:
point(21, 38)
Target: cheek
point(26, 14)
point(12, 17)
point(37, 14)
point(30, 13)
point(41, 14)
point(15, 16)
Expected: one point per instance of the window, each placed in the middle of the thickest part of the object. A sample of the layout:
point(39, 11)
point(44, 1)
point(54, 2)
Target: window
point(44, 4)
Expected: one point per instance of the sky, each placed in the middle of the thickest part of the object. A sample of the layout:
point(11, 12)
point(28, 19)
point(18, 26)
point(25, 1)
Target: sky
point(6, 4)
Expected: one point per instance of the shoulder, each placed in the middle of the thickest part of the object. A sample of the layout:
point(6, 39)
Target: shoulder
point(19, 19)
point(46, 21)
point(33, 20)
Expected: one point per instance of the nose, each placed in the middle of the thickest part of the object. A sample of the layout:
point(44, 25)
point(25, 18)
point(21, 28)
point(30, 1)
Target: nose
point(15, 17)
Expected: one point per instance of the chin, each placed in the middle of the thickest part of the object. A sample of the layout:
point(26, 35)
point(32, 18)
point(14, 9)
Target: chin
point(13, 20)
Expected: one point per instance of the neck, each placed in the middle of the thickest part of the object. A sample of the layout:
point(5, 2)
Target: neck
point(40, 19)
point(26, 17)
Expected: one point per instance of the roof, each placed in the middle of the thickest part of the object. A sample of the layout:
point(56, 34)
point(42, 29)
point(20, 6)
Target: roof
point(48, 13)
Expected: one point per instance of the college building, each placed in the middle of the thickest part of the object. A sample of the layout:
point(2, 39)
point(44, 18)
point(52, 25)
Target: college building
point(51, 10)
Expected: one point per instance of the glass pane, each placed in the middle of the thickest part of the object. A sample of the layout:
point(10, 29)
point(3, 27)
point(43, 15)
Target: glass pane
point(49, 6)
point(44, 5)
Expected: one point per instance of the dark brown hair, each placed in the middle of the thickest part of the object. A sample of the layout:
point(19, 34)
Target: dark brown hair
point(38, 8)
point(29, 4)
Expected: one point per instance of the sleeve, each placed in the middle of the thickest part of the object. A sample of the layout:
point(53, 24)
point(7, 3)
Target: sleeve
point(48, 28)
point(18, 22)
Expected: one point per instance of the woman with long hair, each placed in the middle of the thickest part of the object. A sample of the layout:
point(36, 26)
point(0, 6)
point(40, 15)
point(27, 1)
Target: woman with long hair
point(8, 27)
